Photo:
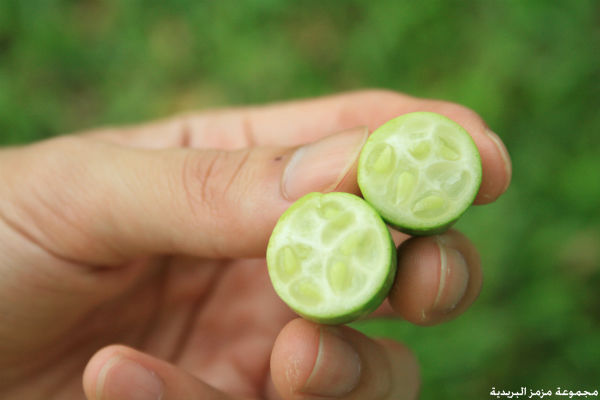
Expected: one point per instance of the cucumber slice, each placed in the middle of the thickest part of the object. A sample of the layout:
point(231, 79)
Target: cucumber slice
point(331, 258)
point(420, 171)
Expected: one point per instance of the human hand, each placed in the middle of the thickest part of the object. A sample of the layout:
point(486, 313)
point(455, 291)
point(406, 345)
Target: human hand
point(154, 237)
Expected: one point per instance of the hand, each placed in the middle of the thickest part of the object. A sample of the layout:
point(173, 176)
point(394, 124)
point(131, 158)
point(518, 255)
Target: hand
point(154, 237)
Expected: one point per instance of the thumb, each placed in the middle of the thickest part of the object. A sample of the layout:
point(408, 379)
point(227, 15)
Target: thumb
point(119, 372)
point(102, 203)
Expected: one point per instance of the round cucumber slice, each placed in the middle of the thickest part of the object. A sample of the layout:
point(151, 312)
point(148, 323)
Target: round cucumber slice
point(331, 258)
point(420, 171)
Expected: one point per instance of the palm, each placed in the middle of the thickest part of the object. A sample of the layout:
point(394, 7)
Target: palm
point(216, 319)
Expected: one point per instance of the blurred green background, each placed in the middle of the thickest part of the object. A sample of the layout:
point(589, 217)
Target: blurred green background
point(530, 68)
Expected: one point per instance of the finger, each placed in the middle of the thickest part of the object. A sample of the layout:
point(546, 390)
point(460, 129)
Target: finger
point(370, 108)
point(289, 123)
point(298, 122)
point(102, 203)
point(119, 372)
point(438, 278)
point(311, 361)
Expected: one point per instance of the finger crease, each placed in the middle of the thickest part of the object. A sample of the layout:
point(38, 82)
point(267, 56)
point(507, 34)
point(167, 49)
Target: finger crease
point(25, 235)
point(248, 131)
point(242, 162)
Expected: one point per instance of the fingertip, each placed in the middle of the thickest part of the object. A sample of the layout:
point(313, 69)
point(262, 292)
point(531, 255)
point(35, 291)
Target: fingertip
point(438, 278)
point(415, 289)
point(120, 372)
point(497, 167)
point(112, 374)
point(405, 369)
point(293, 355)
point(314, 361)
point(95, 368)
point(495, 160)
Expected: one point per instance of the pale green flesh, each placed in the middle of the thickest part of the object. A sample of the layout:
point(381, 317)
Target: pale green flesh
point(420, 171)
point(331, 258)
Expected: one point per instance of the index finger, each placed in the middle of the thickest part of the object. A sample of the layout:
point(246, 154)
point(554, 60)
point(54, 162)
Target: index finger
point(297, 122)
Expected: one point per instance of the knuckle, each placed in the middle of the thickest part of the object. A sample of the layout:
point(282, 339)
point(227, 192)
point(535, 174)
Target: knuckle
point(198, 176)
point(210, 180)
point(54, 189)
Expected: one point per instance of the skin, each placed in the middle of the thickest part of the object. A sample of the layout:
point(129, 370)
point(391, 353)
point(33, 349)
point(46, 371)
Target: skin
point(142, 249)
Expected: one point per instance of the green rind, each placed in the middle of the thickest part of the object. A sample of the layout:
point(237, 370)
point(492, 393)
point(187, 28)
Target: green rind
point(403, 227)
point(360, 310)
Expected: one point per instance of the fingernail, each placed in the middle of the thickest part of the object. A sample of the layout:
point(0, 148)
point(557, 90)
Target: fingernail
point(121, 378)
point(337, 369)
point(454, 278)
point(503, 154)
point(322, 165)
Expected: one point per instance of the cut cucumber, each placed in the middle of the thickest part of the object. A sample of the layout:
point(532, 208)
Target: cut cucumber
point(331, 258)
point(420, 171)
